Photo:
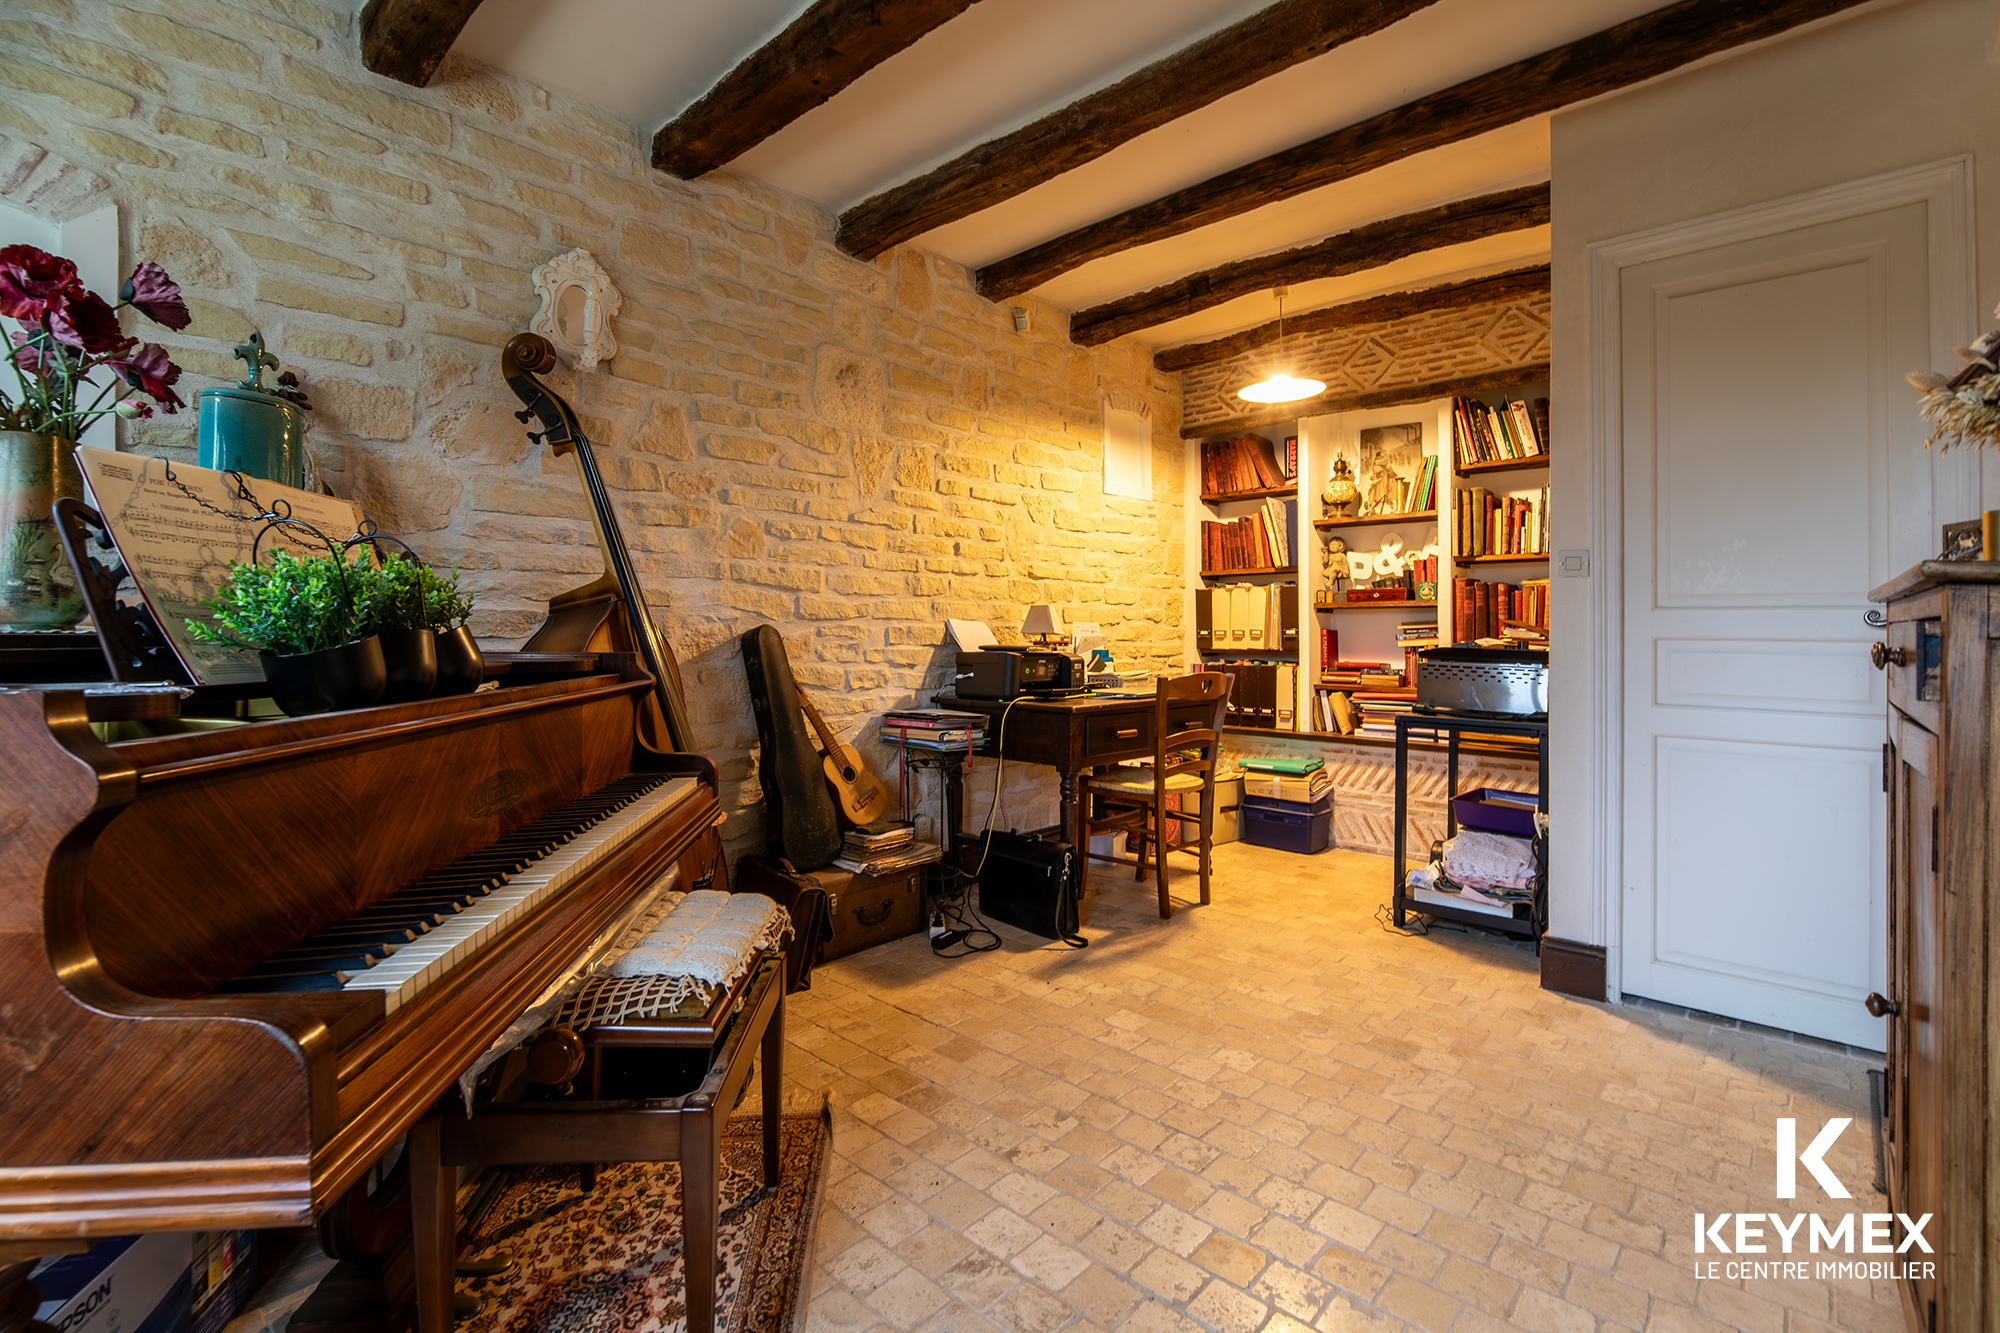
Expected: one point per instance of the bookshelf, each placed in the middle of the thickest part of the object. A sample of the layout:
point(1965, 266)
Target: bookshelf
point(1502, 465)
point(1376, 520)
point(1254, 493)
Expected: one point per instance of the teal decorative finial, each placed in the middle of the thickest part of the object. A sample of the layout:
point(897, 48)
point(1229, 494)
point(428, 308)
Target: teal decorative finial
point(253, 355)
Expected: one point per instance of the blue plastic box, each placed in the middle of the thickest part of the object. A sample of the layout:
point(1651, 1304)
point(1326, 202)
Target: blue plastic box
point(1288, 826)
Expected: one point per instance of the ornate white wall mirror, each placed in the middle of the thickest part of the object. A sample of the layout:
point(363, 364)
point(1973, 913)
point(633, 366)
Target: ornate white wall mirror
point(578, 301)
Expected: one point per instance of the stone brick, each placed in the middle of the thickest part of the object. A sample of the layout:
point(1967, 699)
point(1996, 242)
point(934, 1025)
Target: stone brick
point(283, 192)
point(512, 495)
point(740, 447)
point(376, 411)
point(270, 113)
point(572, 143)
point(229, 19)
point(91, 57)
point(515, 157)
point(365, 178)
point(471, 89)
point(662, 252)
point(492, 215)
point(664, 432)
point(458, 173)
point(304, 296)
point(385, 111)
point(558, 204)
point(185, 253)
point(297, 256)
point(472, 330)
point(329, 345)
point(218, 322)
point(211, 132)
point(124, 149)
point(612, 190)
point(437, 291)
point(164, 37)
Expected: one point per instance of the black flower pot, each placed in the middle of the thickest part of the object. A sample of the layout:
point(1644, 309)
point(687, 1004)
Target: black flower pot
point(411, 658)
point(460, 667)
point(351, 676)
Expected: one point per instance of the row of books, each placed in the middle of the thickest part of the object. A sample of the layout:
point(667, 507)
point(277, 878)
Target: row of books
point(1245, 463)
point(1247, 617)
point(1262, 540)
point(882, 847)
point(1361, 675)
point(1491, 524)
point(1483, 434)
point(1413, 495)
point(1482, 610)
point(933, 729)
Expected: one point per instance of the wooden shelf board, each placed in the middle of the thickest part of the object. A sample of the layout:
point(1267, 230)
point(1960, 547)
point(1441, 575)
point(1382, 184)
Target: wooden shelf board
point(1501, 560)
point(1416, 516)
point(1260, 493)
point(1501, 465)
point(1260, 569)
point(1253, 652)
point(1386, 742)
point(1375, 606)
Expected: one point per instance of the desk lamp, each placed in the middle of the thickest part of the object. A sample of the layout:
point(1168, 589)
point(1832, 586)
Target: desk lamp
point(1043, 623)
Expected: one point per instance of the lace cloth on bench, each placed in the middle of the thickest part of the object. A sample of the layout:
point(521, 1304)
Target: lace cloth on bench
point(700, 945)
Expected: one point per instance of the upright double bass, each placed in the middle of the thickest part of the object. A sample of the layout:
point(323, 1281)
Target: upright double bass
point(609, 613)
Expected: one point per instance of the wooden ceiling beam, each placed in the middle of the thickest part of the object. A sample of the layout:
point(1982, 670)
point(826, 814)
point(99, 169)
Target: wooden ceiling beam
point(1632, 52)
point(406, 40)
point(1365, 247)
point(821, 52)
point(1373, 310)
point(1266, 43)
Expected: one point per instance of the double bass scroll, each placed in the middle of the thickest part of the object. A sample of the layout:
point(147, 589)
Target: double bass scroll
point(608, 613)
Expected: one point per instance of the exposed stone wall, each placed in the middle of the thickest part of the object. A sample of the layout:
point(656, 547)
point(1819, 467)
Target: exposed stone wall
point(851, 451)
point(1489, 337)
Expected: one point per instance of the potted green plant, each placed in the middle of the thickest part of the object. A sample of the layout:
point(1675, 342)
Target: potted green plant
point(65, 336)
point(310, 618)
point(409, 644)
point(447, 605)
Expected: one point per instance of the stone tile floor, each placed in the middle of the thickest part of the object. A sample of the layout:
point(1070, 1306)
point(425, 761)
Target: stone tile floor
point(1271, 1114)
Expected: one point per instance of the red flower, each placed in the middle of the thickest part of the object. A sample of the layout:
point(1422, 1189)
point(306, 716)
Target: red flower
point(33, 355)
point(156, 295)
point(149, 371)
point(34, 282)
point(85, 321)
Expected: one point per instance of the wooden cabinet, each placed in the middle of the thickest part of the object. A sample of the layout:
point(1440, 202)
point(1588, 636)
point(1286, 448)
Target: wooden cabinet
point(1941, 650)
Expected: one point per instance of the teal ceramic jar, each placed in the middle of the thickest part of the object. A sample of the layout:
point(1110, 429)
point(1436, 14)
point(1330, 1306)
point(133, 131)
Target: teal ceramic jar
point(256, 433)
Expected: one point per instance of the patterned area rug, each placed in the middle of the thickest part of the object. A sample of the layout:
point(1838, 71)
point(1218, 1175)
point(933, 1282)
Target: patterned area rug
point(610, 1261)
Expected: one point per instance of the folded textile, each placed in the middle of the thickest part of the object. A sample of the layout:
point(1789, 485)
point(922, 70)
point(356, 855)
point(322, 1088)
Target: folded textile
point(1489, 861)
point(702, 943)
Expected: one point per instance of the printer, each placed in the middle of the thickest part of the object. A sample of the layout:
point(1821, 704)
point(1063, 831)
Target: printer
point(1009, 673)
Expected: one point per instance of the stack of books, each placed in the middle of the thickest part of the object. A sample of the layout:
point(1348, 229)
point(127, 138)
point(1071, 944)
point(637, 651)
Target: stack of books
point(933, 729)
point(1362, 676)
point(882, 847)
point(1380, 709)
point(1413, 637)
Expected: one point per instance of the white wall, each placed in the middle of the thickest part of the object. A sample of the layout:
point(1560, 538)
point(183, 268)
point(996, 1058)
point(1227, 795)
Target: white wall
point(1883, 88)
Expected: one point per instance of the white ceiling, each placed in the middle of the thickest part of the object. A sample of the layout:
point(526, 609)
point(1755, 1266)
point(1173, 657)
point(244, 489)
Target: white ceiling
point(1003, 63)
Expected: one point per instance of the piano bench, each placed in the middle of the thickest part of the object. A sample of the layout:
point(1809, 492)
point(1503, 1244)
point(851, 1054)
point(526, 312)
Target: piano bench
point(685, 1129)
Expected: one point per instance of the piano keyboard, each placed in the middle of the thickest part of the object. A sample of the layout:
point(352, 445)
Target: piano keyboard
point(407, 941)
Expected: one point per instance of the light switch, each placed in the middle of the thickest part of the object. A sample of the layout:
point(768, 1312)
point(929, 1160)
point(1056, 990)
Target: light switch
point(1573, 564)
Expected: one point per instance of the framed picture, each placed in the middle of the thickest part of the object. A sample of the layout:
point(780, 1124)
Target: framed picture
point(1962, 541)
point(1390, 459)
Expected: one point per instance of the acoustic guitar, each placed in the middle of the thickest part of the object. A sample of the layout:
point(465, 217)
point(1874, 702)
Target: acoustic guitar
point(862, 797)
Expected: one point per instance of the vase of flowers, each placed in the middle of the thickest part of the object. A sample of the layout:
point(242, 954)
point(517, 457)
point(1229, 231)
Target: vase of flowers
point(65, 336)
point(311, 619)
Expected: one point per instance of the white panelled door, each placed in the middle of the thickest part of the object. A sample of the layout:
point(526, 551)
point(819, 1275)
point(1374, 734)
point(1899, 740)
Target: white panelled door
point(1774, 471)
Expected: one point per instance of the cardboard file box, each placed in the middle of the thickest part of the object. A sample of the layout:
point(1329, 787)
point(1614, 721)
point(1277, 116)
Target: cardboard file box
point(1227, 825)
point(1302, 788)
point(1288, 825)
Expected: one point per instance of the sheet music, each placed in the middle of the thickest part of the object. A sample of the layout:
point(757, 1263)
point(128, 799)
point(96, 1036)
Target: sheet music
point(179, 552)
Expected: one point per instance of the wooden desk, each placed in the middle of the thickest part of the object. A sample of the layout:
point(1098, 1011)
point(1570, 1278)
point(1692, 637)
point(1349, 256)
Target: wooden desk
point(1072, 736)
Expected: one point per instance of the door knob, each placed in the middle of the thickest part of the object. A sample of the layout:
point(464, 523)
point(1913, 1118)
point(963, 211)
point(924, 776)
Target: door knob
point(1882, 655)
point(1880, 1007)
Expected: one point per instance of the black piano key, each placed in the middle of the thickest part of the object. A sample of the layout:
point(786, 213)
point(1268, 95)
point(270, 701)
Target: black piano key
point(350, 960)
point(344, 933)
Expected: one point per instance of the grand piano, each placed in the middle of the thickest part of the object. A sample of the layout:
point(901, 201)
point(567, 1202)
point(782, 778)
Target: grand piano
point(237, 965)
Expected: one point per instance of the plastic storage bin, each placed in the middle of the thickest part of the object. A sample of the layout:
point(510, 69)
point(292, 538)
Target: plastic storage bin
point(1288, 826)
point(1496, 810)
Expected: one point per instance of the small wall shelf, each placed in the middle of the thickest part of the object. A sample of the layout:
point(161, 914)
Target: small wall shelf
point(1408, 604)
point(1257, 569)
point(1503, 559)
point(1262, 492)
point(1419, 516)
point(1502, 465)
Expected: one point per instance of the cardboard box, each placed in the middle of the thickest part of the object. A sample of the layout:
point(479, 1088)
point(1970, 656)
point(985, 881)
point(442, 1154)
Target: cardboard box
point(1304, 789)
point(1227, 826)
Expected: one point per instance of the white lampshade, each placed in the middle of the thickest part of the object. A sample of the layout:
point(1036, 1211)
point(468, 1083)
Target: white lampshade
point(1042, 619)
point(1281, 388)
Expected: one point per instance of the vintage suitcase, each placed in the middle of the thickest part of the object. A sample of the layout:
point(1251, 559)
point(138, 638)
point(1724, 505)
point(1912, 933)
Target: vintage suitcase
point(866, 910)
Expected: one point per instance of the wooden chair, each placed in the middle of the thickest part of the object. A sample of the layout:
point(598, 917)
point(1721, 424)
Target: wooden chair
point(1187, 735)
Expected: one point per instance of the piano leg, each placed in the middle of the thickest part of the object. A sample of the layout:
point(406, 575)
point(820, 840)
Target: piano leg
point(774, 1089)
point(701, 1182)
point(434, 1205)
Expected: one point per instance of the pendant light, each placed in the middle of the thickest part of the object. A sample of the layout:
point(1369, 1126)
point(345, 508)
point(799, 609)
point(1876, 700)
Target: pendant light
point(1280, 387)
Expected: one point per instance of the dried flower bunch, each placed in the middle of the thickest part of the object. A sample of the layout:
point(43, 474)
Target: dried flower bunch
point(1964, 408)
point(67, 333)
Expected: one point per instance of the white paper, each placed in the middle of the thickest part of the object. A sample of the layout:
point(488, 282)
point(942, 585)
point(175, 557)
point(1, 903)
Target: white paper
point(970, 635)
point(179, 552)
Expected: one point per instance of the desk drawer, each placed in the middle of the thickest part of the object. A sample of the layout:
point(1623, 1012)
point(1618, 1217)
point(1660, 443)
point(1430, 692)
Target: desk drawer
point(1125, 733)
